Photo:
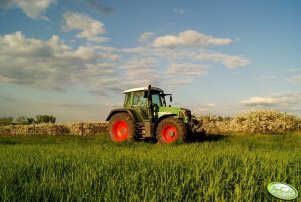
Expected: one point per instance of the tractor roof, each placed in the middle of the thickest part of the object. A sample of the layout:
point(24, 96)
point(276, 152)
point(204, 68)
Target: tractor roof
point(141, 89)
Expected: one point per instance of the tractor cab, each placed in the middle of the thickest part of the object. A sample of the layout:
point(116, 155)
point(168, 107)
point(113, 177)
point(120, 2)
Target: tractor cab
point(149, 102)
point(139, 96)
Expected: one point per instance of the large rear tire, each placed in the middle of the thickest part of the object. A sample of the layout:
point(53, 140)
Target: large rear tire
point(171, 130)
point(122, 128)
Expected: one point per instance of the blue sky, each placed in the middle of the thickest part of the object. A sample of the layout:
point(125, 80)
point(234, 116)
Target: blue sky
point(73, 59)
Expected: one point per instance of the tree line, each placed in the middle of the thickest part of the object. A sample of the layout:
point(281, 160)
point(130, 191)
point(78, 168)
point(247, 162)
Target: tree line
point(22, 120)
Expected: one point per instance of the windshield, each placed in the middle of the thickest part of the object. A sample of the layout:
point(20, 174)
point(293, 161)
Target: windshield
point(158, 100)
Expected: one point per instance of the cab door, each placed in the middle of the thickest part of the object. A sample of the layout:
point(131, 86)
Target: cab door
point(139, 102)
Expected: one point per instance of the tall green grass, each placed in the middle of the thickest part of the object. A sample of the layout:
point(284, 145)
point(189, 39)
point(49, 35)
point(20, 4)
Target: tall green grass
point(234, 168)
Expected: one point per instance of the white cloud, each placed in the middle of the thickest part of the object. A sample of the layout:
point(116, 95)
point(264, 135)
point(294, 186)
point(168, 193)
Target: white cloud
point(168, 66)
point(230, 61)
point(180, 11)
point(211, 105)
point(51, 64)
point(253, 101)
point(288, 102)
point(173, 83)
point(142, 71)
point(205, 108)
point(201, 109)
point(139, 63)
point(135, 50)
point(186, 69)
point(189, 38)
point(180, 54)
point(280, 100)
point(145, 37)
point(104, 86)
point(297, 79)
point(294, 69)
point(267, 77)
point(32, 8)
point(90, 29)
point(91, 71)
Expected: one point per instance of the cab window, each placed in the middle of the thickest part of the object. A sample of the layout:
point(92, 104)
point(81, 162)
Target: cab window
point(156, 100)
point(139, 99)
point(127, 100)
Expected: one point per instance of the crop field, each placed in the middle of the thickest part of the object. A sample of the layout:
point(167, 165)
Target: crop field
point(75, 168)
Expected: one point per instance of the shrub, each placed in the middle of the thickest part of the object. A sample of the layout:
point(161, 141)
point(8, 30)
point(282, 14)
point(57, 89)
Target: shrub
point(259, 121)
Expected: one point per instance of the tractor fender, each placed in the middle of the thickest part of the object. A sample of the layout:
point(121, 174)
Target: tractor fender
point(129, 111)
point(163, 117)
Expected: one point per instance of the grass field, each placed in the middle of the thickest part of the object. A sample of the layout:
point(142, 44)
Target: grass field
point(220, 168)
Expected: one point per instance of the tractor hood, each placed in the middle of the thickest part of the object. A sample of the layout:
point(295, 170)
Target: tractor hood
point(183, 113)
point(161, 111)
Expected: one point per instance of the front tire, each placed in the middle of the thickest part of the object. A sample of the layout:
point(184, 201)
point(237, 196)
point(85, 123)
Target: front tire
point(122, 128)
point(171, 130)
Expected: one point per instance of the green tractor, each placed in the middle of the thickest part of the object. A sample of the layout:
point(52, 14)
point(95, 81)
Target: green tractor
point(145, 116)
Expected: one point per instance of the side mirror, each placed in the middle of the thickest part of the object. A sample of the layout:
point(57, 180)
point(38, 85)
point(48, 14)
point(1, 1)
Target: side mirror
point(170, 98)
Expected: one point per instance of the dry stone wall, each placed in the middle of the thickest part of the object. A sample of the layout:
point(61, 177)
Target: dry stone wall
point(82, 128)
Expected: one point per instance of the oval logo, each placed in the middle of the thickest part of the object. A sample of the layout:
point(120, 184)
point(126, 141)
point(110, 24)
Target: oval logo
point(282, 191)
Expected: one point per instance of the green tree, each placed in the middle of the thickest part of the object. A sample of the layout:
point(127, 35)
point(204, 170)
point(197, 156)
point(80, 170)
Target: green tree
point(25, 120)
point(45, 119)
point(30, 120)
point(22, 120)
point(6, 120)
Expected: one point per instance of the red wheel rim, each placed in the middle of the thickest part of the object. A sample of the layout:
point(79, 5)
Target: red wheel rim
point(169, 133)
point(120, 131)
